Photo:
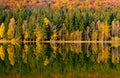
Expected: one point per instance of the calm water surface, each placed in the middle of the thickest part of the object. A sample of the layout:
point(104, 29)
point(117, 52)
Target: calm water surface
point(60, 61)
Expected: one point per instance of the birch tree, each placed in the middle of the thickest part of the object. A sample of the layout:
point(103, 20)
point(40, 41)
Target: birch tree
point(2, 30)
point(11, 29)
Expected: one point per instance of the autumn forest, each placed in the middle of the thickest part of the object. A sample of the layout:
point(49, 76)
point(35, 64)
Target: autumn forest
point(62, 20)
point(59, 38)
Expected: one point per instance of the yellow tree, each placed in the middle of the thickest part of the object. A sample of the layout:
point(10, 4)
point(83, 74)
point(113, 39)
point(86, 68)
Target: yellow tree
point(39, 34)
point(94, 35)
point(104, 31)
point(11, 29)
point(2, 30)
point(46, 21)
point(54, 36)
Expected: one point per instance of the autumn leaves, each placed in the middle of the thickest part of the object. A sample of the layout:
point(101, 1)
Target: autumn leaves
point(2, 30)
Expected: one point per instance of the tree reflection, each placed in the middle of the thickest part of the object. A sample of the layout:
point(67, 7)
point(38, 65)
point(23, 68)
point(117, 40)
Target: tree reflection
point(62, 58)
point(115, 55)
point(96, 52)
point(99, 52)
point(46, 61)
point(2, 55)
point(104, 55)
point(38, 50)
point(11, 54)
point(25, 53)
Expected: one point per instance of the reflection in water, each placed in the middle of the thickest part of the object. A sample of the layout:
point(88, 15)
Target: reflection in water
point(46, 61)
point(104, 55)
point(11, 56)
point(115, 54)
point(38, 50)
point(24, 53)
point(61, 59)
point(2, 55)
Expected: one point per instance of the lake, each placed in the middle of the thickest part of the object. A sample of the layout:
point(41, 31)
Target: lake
point(65, 60)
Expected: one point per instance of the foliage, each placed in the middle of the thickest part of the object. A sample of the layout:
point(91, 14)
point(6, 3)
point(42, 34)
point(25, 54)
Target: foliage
point(2, 53)
point(39, 59)
point(70, 4)
point(46, 23)
point(11, 56)
point(2, 30)
point(25, 30)
point(11, 29)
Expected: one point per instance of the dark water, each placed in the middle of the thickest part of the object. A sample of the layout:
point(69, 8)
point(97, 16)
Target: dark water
point(60, 61)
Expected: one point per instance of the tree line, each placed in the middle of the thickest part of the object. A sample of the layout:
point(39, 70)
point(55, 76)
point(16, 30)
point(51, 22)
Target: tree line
point(44, 23)
point(70, 4)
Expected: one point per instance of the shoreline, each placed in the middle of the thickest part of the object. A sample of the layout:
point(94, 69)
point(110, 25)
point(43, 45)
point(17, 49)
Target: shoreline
point(59, 41)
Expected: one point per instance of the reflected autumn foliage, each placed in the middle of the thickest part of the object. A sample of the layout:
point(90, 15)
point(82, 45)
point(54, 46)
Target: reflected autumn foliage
point(38, 50)
point(46, 62)
point(11, 54)
point(64, 58)
point(115, 55)
point(104, 55)
point(98, 53)
point(2, 55)
point(24, 53)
